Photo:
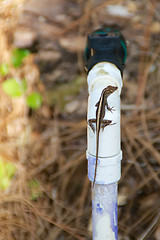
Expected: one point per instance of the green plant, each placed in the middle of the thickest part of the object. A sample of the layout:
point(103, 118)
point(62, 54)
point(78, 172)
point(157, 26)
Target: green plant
point(18, 55)
point(4, 69)
point(18, 87)
point(14, 88)
point(35, 189)
point(7, 171)
point(34, 100)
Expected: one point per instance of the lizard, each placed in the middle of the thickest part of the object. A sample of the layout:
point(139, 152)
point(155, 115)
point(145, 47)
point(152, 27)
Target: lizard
point(100, 122)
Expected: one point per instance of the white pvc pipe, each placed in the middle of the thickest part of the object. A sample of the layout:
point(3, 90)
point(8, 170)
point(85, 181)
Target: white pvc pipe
point(104, 212)
point(104, 193)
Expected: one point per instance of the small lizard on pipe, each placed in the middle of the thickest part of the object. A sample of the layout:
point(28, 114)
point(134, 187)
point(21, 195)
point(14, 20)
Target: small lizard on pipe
point(100, 122)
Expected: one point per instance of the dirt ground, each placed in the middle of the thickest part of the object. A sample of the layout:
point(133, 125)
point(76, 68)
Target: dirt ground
point(49, 194)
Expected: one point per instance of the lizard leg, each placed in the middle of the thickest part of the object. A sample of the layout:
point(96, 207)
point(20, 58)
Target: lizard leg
point(90, 123)
point(105, 123)
point(109, 108)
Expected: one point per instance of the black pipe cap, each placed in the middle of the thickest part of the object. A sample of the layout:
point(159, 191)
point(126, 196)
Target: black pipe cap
point(106, 45)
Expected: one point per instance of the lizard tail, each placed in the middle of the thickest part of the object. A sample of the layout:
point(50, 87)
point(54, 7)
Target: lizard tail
point(95, 173)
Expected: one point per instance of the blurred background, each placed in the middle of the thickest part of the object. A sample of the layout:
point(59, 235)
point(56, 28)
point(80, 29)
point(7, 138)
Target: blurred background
point(44, 188)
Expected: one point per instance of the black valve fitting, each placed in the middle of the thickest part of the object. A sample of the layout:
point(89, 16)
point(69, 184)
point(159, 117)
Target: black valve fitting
point(106, 45)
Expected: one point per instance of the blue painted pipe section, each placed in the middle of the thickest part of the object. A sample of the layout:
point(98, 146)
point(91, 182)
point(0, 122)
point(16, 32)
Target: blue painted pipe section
point(104, 212)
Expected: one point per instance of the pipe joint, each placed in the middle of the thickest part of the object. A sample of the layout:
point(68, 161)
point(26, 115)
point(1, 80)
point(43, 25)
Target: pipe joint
point(108, 170)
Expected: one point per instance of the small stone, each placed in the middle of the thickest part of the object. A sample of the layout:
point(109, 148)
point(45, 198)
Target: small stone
point(73, 43)
point(123, 195)
point(118, 10)
point(62, 19)
point(48, 56)
point(24, 38)
point(155, 27)
point(72, 106)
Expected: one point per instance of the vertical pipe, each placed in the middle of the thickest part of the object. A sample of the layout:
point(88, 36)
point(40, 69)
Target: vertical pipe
point(104, 212)
point(105, 58)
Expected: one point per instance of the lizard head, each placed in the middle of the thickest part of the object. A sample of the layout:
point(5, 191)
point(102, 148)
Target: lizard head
point(109, 90)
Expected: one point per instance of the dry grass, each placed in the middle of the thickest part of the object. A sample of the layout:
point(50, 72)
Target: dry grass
point(50, 149)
